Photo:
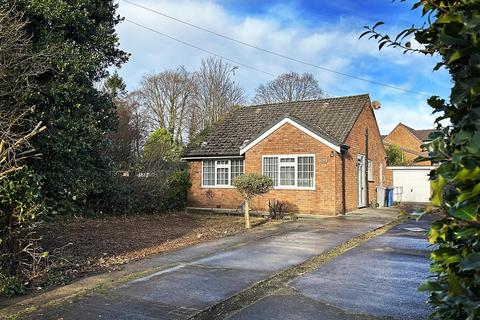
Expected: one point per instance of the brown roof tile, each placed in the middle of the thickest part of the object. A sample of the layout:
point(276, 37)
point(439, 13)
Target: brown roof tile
point(332, 118)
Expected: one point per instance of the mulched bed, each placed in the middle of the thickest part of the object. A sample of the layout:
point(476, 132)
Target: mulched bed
point(84, 246)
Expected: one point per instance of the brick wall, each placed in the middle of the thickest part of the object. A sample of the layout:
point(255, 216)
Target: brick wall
point(376, 153)
point(326, 199)
point(402, 137)
point(289, 140)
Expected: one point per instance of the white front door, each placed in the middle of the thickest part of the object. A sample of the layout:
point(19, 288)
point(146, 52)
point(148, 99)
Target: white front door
point(361, 180)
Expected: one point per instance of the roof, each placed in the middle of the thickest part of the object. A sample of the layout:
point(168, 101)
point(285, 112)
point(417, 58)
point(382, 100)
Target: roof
point(330, 118)
point(421, 134)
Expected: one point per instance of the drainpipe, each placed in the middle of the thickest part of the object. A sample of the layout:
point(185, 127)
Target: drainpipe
point(343, 151)
point(366, 168)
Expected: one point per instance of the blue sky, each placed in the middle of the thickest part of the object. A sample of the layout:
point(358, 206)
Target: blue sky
point(320, 32)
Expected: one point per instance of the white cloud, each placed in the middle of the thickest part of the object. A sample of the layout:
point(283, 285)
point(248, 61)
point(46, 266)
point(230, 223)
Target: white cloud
point(332, 45)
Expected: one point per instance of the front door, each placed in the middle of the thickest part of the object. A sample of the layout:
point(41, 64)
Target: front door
point(361, 180)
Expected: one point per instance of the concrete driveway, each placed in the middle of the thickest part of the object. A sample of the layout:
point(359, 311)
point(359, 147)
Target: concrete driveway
point(284, 272)
point(375, 280)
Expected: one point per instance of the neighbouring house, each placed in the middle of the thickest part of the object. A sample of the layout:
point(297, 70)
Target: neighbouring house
point(409, 140)
point(324, 156)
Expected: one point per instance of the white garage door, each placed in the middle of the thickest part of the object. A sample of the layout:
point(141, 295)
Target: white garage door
point(414, 183)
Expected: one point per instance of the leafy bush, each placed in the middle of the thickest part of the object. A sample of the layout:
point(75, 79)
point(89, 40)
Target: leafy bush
point(277, 209)
point(20, 206)
point(395, 156)
point(452, 33)
point(160, 146)
point(249, 186)
point(152, 192)
point(11, 286)
point(252, 184)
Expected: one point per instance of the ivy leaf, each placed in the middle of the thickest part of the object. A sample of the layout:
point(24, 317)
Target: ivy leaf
point(379, 23)
point(437, 189)
point(471, 262)
point(448, 18)
point(430, 286)
point(467, 213)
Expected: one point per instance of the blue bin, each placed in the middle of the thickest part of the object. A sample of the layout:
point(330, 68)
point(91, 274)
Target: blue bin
point(389, 196)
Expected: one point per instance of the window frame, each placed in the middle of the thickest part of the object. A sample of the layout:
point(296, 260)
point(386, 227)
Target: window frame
point(217, 166)
point(370, 170)
point(289, 164)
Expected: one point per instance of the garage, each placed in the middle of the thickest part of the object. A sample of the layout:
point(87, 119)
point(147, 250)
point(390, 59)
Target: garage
point(411, 184)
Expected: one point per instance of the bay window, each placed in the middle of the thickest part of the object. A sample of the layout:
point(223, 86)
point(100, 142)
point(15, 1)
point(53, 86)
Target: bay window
point(220, 173)
point(290, 171)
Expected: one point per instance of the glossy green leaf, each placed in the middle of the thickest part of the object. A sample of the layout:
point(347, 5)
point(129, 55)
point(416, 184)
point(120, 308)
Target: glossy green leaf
point(467, 213)
point(471, 262)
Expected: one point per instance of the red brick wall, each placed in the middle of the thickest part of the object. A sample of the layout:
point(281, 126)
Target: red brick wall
point(402, 137)
point(376, 153)
point(222, 198)
point(326, 199)
point(289, 140)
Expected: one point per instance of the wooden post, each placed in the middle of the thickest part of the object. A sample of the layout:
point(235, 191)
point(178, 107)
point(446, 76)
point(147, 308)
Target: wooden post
point(247, 214)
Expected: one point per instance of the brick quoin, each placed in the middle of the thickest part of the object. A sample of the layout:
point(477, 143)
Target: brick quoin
point(326, 199)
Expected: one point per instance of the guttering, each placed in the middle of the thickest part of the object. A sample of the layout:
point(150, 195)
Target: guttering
point(211, 157)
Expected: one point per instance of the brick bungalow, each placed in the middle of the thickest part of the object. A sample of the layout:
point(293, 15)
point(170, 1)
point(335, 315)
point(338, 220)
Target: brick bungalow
point(315, 151)
point(409, 140)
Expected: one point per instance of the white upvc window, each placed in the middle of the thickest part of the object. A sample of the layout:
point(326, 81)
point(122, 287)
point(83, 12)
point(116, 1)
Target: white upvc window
point(370, 170)
point(220, 173)
point(290, 171)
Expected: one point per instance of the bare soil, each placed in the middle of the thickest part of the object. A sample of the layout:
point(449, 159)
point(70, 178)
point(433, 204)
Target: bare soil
point(84, 246)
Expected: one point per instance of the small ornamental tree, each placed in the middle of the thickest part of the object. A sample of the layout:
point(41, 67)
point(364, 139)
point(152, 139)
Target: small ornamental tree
point(249, 186)
point(395, 156)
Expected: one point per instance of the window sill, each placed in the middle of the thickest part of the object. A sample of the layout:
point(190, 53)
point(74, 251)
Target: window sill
point(217, 187)
point(295, 188)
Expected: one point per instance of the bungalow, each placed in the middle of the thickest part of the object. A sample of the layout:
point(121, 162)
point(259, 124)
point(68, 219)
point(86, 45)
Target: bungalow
point(324, 156)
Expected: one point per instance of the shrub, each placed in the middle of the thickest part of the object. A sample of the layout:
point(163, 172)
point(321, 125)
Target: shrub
point(20, 206)
point(451, 32)
point(150, 192)
point(395, 156)
point(11, 286)
point(249, 186)
point(277, 209)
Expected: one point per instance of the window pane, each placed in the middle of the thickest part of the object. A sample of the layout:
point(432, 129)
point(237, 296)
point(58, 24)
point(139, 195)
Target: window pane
point(270, 169)
point(237, 168)
point(287, 160)
point(305, 173)
point(208, 173)
point(287, 176)
point(222, 176)
point(370, 170)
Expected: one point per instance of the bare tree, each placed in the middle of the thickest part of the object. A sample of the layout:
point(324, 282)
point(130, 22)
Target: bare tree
point(289, 87)
point(167, 95)
point(216, 93)
point(128, 139)
point(18, 67)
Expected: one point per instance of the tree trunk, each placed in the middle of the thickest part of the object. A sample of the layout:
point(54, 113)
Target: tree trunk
point(247, 214)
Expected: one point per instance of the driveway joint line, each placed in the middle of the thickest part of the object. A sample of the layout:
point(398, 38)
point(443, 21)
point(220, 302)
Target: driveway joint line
point(265, 287)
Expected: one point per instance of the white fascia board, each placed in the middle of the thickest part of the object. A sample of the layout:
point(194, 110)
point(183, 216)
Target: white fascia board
point(411, 167)
point(296, 125)
point(212, 157)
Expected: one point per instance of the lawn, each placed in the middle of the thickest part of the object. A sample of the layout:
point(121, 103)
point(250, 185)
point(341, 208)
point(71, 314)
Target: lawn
point(84, 246)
